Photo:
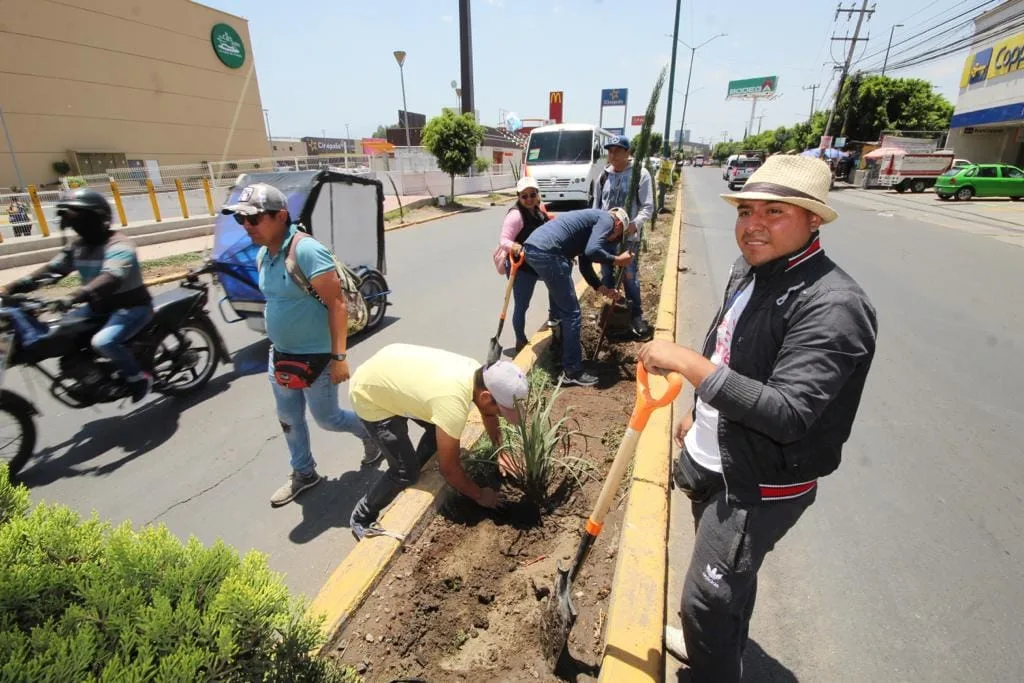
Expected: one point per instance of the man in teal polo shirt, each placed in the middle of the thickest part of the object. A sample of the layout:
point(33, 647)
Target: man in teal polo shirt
point(308, 333)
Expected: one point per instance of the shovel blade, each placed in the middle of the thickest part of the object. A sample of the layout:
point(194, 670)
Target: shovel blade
point(559, 618)
point(494, 351)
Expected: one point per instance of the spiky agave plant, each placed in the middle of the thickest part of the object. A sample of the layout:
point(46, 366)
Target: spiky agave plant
point(536, 451)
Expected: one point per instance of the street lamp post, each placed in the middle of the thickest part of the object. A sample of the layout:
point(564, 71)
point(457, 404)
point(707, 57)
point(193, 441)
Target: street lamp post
point(270, 138)
point(348, 139)
point(686, 98)
point(400, 58)
point(891, 31)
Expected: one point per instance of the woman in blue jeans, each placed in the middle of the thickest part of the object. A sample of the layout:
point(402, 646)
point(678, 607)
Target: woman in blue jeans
point(521, 220)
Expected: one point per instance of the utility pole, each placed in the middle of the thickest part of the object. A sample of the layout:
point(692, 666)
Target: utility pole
point(466, 54)
point(813, 89)
point(849, 55)
point(760, 118)
point(889, 46)
point(671, 84)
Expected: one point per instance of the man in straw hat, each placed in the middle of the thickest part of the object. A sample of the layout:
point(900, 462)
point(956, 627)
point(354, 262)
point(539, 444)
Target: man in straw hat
point(778, 384)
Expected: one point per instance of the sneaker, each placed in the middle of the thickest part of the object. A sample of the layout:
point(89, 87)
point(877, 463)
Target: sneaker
point(371, 453)
point(641, 328)
point(361, 531)
point(140, 386)
point(296, 484)
point(579, 379)
point(675, 644)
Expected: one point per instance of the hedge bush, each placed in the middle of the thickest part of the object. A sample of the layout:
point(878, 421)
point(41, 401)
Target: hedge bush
point(82, 600)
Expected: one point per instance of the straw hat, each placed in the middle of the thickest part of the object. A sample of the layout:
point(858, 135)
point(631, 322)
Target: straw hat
point(803, 181)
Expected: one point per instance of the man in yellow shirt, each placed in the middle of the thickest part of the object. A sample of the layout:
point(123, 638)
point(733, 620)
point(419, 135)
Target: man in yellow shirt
point(437, 390)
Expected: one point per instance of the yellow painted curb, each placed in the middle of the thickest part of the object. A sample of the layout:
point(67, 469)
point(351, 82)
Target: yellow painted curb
point(354, 579)
point(634, 643)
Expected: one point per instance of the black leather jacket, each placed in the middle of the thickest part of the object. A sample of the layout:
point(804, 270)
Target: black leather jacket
point(800, 355)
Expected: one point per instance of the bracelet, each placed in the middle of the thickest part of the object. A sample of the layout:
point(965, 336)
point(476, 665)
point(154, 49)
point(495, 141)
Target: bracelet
point(339, 356)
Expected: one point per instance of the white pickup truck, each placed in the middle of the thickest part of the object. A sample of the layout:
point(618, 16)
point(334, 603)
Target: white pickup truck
point(914, 171)
point(741, 169)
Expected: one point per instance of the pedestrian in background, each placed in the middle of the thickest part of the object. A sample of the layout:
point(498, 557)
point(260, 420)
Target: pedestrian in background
point(778, 384)
point(308, 332)
point(528, 214)
point(613, 187)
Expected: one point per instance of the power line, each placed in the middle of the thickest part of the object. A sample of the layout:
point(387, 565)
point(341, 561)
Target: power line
point(933, 27)
point(960, 44)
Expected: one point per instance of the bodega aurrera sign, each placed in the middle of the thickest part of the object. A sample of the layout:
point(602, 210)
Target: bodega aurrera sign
point(228, 45)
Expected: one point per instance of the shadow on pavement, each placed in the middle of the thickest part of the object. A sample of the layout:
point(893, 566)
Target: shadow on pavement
point(136, 433)
point(758, 667)
point(329, 505)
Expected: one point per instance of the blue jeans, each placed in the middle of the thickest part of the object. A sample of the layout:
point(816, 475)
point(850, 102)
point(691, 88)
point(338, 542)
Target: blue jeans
point(631, 281)
point(556, 272)
point(322, 397)
point(522, 292)
point(121, 325)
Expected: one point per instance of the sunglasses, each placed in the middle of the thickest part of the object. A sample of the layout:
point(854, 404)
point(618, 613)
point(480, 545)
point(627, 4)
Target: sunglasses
point(528, 195)
point(252, 220)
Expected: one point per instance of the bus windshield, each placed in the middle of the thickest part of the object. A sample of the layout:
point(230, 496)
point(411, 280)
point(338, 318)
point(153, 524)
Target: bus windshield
point(560, 147)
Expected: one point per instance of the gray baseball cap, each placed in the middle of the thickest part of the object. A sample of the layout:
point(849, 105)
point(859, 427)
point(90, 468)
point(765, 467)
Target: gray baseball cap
point(257, 198)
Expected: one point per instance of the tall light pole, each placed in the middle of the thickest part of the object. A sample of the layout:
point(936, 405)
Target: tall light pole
point(671, 84)
point(266, 116)
point(348, 139)
point(400, 58)
point(10, 148)
point(891, 31)
point(466, 59)
point(686, 98)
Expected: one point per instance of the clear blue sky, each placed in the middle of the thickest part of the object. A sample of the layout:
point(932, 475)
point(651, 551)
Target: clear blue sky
point(324, 64)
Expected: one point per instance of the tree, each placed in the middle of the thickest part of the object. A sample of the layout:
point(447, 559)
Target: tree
point(872, 104)
point(657, 142)
point(453, 139)
point(381, 132)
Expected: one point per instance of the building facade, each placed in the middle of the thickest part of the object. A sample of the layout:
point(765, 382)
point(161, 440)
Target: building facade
point(988, 122)
point(100, 84)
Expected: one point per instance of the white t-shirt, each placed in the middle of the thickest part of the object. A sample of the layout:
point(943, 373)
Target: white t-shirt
point(702, 439)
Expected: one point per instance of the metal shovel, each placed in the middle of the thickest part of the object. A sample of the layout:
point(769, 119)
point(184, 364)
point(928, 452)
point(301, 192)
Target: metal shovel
point(494, 352)
point(561, 614)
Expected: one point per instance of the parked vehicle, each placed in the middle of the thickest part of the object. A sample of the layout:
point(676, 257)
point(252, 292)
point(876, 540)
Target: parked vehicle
point(914, 171)
point(981, 180)
point(180, 347)
point(698, 161)
point(566, 160)
point(960, 163)
point(742, 168)
point(728, 164)
point(343, 211)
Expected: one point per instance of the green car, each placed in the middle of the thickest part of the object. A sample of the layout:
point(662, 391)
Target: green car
point(981, 180)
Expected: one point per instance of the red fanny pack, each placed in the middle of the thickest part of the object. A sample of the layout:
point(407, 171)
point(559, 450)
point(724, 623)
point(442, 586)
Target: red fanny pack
point(298, 371)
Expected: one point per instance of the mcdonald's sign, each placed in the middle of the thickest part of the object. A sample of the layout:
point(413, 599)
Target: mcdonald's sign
point(555, 105)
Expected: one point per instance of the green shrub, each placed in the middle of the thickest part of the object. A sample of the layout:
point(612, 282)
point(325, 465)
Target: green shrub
point(81, 600)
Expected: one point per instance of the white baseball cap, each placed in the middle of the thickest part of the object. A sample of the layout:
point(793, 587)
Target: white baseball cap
point(527, 182)
point(506, 382)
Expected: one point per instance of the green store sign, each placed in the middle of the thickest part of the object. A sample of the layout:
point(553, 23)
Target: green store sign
point(228, 45)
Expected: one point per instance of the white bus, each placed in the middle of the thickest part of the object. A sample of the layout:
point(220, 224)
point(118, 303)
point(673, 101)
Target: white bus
point(566, 160)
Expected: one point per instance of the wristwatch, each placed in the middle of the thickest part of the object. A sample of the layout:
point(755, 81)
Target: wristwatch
point(338, 356)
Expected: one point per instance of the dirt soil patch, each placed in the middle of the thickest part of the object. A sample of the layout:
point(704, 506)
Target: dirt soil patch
point(464, 602)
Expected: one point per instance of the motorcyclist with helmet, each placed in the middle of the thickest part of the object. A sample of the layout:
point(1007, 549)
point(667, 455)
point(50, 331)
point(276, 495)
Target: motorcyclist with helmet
point(112, 287)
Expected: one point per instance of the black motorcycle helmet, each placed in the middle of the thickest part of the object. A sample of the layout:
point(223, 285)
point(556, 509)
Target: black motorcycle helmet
point(88, 214)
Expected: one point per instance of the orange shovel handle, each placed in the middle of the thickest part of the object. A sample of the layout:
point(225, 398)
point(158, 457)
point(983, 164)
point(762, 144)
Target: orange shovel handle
point(645, 402)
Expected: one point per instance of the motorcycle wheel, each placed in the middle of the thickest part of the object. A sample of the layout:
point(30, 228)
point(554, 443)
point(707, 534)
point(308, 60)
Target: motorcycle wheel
point(185, 359)
point(12, 452)
point(370, 287)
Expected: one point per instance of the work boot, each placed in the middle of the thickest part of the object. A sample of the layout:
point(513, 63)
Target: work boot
point(641, 328)
point(579, 379)
point(371, 453)
point(140, 386)
point(296, 484)
point(675, 644)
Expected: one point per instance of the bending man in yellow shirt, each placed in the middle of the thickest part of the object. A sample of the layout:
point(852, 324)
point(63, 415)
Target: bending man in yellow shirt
point(435, 389)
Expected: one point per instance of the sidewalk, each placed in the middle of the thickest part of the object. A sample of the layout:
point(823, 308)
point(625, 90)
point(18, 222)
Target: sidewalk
point(147, 253)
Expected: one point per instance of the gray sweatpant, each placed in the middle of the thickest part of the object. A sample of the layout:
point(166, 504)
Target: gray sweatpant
point(721, 583)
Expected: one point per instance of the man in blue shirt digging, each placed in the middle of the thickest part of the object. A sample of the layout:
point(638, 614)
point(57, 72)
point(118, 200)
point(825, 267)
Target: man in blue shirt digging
point(308, 330)
point(588, 235)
